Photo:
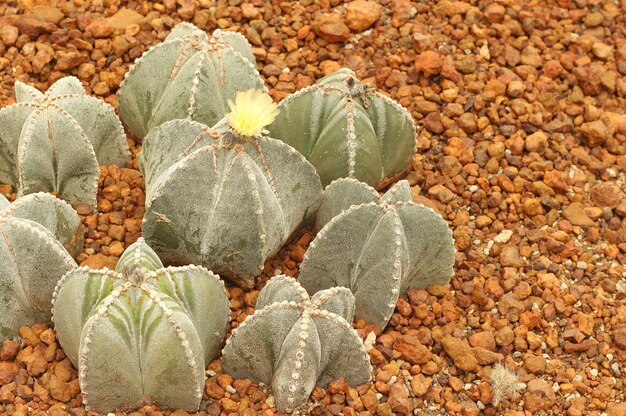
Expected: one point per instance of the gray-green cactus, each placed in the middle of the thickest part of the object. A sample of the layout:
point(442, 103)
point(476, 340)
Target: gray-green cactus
point(55, 142)
point(293, 342)
point(222, 200)
point(347, 129)
point(51, 212)
point(377, 248)
point(142, 333)
point(32, 260)
point(188, 76)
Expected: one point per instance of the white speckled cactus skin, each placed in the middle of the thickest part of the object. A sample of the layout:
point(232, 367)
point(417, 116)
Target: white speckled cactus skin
point(142, 333)
point(221, 200)
point(377, 248)
point(346, 129)
point(55, 142)
point(294, 342)
point(32, 260)
point(51, 212)
point(188, 76)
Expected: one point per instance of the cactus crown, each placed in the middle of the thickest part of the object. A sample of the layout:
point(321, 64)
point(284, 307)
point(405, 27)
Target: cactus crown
point(55, 142)
point(378, 247)
point(188, 76)
point(295, 342)
point(146, 316)
point(347, 129)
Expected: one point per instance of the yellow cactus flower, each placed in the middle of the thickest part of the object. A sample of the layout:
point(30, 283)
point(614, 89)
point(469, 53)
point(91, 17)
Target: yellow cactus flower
point(252, 111)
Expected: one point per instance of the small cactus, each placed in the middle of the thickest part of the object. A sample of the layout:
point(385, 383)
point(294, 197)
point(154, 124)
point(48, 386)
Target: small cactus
point(188, 76)
point(55, 142)
point(53, 213)
point(32, 260)
point(245, 194)
point(347, 129)
point(293, 342)
point(142, 333)
point(378, 249)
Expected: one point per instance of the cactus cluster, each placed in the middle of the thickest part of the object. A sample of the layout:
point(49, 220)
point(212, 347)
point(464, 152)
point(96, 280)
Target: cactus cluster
point(246, 196)
point(32, 259)
point(190, 75)
point(293, 342)
point(55, 142)
point(347, 129)
point(141, 333)
point(378, 248)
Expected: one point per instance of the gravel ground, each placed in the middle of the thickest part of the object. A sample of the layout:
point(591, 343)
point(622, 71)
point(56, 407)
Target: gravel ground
point(520, 108)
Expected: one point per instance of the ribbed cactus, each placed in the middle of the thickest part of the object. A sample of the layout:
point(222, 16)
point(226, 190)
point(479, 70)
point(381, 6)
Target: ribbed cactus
point(221, 199)
point(32, 260)
point(347, 129)
point(377, 249)
point(142, 333)
point(293, 342)
point(51, 212)
point(55, 142)
point(188, 76)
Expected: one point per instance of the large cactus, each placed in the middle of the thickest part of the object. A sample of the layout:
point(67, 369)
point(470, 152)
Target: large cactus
point(188, 76)
point(347, 129)
point(377, 248)
point(55, 142)
point(222, 198)
point(54, 214)
point(142, 333)
point(293, 342)
point(32, 260)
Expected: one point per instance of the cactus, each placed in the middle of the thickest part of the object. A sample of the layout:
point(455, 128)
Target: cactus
point(377, 249)
point(55, 142)
point(347, 129)
point(294, 342)
point(188, 76)
point(142, 333)
point(53, 213)
point(245, 194)
point(32, 260)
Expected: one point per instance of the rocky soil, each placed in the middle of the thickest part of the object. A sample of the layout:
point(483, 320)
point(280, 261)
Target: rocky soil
point(520, 107)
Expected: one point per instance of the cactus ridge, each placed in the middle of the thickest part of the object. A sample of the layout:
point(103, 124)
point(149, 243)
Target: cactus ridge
point(144, 314)
point(270, 204)
point(377, 249)
point(298, 342)
point(161, 101)
point(72, 122)
point(355, 118)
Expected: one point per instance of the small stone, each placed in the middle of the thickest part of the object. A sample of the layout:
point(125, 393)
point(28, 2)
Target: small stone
point(441, 193)
point(505, 336)
point(399, 399)
point(331, 27)
point(487, 357)
point(48, 13)
point(249, 11)
point(535, 364)
point(575, 213)
point(595, 132)
point(420, 384)
point(339, 386)
point(362, 14)
point(619, 337)
point(8, 371)
point(33, 26)
point(124, 18)
point(515, 88)
point(602, 50)
point(411, 349)
point(429, 63)
point(510, 257)
point(8, 34)
point(494, 12)
point(484, 339)
point(536, 142)
point(9, 350)
point(460, 352)
point(100, 261)
point(100, 29)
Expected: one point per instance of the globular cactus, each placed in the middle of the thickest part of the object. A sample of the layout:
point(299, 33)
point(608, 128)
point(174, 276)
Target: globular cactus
point(188, 76)
point(347, 129)
point(51, 212)
point(32, 260)
point(377, 248)
point(226, 197)
point(55, 142)
point(142, 333)
point(293, 342)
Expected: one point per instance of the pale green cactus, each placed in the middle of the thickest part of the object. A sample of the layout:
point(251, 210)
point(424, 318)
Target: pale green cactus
point(32, 260)
point(347, 129)
point(378, 249)
point(221, 199)
point(51, 212)
point(142, 333)
point(188, 76)
point(293, 342)
point(55, 142)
